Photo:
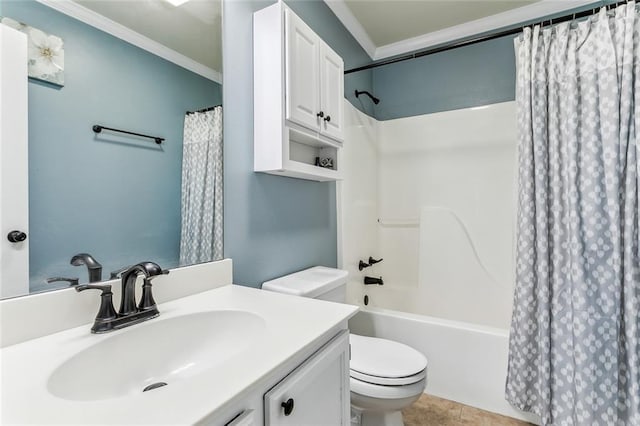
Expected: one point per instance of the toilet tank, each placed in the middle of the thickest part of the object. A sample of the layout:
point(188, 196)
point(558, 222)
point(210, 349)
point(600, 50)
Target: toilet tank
point(318, 282)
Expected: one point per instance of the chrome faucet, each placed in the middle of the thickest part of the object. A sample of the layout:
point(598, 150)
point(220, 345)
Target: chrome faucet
point(108, 319)
point(94, 268)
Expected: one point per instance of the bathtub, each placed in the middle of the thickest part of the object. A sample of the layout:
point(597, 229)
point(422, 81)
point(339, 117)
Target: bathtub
point(467, 362)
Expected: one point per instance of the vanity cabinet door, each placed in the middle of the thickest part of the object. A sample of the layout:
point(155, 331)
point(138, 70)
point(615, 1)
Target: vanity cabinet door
point(302, 79)
point(316, 393)
point(331, 92)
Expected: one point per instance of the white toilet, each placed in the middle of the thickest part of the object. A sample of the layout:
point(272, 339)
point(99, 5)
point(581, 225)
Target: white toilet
point(386, 376)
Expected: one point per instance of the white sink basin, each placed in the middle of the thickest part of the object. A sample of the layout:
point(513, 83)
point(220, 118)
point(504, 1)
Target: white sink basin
point(160, 350)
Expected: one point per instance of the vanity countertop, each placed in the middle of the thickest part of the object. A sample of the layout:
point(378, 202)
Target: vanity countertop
point(291, 324)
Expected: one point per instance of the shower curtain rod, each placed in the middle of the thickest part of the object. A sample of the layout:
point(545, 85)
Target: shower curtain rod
point(487, 37)
point(211, 108)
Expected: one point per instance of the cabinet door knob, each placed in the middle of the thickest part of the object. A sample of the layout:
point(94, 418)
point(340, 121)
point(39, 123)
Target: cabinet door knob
point(327, 118)
point(16, 236)
point(287, 406)
point(320, 114)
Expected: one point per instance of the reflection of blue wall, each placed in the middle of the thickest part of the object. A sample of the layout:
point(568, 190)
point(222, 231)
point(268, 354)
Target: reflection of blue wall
point(273, 225)
point(117, 198)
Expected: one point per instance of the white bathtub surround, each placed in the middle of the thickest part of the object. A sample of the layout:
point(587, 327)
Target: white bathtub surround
point(357, 218)
point(41, 314)
point(195, 394)
point(462, 161)
point(443, 223)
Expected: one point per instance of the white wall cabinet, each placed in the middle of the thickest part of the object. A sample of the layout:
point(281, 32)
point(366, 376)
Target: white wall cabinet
point(298, 97)
point(314, 76)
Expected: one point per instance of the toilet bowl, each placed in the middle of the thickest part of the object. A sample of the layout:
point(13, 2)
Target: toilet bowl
point(385, 376)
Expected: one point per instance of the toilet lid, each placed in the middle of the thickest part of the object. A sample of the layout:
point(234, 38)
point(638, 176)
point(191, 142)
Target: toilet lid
point(371, 356)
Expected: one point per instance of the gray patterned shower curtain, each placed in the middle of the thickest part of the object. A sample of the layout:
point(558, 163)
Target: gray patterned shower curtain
point(574, 349)
point(201, 236)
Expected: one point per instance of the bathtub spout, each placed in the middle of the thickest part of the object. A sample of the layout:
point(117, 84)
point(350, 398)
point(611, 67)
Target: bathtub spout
point(373, 280)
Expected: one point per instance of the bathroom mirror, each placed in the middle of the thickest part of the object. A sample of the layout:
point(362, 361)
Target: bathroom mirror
point(137, 66)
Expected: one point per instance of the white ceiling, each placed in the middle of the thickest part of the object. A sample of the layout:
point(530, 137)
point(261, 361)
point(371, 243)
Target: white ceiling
point(192, 29)
point(386, 28)
point(389, 22)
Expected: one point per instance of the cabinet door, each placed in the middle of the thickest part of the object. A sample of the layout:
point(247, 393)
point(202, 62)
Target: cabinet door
point(331, 92)
point(316, 393)
point(303, 82)
point(14, 182)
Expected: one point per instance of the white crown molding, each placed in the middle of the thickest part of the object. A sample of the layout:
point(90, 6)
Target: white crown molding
point(89, 17)
point(499, 21)
point(344, 15)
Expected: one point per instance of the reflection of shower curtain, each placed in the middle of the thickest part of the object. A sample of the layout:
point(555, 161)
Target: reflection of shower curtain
point(201, 236)
point(574, 353)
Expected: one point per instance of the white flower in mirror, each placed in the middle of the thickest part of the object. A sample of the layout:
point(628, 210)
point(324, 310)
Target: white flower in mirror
point(46, 54)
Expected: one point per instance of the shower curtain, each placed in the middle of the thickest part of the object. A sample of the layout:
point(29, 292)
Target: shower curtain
point(201, 235)
point(574, 350)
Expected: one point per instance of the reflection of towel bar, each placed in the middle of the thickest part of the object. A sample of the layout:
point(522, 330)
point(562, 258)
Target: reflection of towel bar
point(411, 223)
point(98, 128)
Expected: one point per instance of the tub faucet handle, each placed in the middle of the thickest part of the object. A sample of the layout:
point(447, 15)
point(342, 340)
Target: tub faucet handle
point(362, 265)
point(373, 261)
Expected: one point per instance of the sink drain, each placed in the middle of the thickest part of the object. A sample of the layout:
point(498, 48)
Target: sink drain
point(154, 386)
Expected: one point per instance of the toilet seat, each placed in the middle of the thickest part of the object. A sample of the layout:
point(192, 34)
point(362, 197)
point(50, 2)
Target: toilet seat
point(388, 381)
point(385, 362)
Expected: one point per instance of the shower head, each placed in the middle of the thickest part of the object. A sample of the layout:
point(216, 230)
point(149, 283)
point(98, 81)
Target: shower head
point(364, 92)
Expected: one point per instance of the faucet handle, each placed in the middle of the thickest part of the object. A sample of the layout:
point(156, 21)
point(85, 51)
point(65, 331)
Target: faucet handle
point(72, 281)
point(106, 313)
point(118, 272)
point(146, 300)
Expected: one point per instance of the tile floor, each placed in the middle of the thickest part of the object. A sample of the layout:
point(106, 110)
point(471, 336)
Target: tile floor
point(433, 411)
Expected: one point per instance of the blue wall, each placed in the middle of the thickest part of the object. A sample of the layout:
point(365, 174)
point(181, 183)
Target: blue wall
point(114, 197)
point(273, 225)
point(469, 76)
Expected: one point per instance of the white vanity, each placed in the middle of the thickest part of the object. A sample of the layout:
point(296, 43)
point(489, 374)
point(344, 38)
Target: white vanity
point(229, 355)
